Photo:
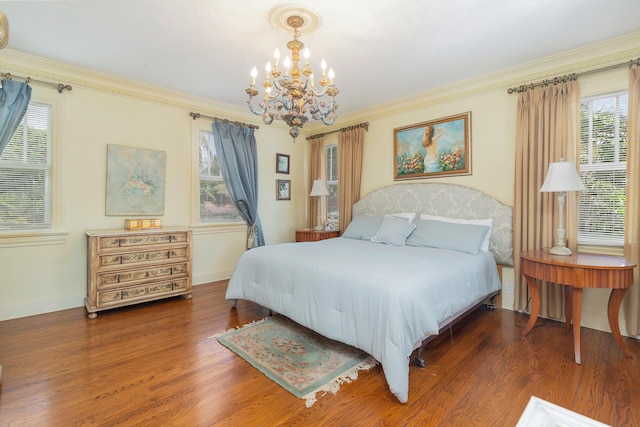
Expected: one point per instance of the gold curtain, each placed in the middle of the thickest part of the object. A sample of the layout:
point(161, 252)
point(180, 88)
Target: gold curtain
point(547, 129)
point(632, 218)
point(317, 170)
point(350, 148)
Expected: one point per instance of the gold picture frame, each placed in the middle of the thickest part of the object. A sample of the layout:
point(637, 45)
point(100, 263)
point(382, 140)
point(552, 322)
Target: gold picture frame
point(433, 149)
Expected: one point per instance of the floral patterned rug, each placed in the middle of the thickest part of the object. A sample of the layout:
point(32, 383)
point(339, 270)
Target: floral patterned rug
point(301, 361)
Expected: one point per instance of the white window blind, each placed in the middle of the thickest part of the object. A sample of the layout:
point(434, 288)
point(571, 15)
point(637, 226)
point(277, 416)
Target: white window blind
point(25, 173)
point(603, 170)
point(331, 151)
point(215, 201)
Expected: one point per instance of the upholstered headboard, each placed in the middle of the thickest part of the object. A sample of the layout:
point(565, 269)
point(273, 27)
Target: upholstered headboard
point(450, 200)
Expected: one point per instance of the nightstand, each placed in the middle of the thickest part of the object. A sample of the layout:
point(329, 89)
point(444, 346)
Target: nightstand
point(311, 235)
point(576, 272)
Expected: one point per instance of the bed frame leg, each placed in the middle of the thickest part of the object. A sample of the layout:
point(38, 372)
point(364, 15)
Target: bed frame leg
point(418, 360)
point(233, 303)
point(489, 304)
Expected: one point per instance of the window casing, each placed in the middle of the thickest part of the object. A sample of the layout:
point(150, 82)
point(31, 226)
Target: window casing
point(215, 203)
point(331, 151)
point(25, 173)
point(603, 170)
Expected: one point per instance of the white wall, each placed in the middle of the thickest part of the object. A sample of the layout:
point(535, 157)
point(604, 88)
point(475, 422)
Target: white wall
point(493, 132)
point(102, 110)
point(41, 272)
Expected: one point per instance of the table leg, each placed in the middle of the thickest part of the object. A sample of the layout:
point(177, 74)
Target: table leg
point(532, 285)
point(577, 307)
point(568, 305)
point(614, 308)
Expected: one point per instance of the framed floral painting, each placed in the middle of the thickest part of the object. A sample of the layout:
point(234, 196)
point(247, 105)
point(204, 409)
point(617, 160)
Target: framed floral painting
point(432, 149)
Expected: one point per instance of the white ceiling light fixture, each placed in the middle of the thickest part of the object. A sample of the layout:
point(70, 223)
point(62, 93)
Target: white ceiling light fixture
point(292, 96)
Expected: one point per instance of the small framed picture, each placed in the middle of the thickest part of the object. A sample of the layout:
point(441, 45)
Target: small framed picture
point(283, 189)
point(329, 226)
point(282, 163)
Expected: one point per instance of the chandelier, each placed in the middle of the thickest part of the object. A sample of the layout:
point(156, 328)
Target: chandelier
point(293, 96)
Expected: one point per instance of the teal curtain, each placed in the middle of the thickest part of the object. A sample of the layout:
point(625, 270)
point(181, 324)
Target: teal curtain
point(14, 101)
point(238, 159)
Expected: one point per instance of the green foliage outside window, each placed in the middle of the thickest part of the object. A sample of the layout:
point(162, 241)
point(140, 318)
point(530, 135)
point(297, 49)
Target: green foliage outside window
point(25, 173)
point(215, 201)
point(603, 157)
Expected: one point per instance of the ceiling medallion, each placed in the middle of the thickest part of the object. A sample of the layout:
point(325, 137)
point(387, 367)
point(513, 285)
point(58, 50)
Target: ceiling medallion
point(292, 96)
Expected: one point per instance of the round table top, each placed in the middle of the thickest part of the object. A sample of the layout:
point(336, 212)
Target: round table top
point(580, 259)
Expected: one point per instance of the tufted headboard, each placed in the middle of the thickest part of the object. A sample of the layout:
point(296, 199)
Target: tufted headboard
point(449, 200)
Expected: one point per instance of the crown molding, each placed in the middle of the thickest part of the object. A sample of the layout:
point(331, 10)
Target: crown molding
point(22, 64)
point(574, 61)
point(578, 60)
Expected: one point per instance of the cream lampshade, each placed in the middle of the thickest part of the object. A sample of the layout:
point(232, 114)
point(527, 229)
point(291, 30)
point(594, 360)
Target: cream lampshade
point(318, 190)
point(561, 177)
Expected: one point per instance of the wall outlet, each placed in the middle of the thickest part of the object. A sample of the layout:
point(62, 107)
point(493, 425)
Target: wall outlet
point(509, 288)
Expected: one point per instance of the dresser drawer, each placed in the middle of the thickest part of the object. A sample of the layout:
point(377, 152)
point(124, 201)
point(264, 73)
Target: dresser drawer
point(121, 278)
point(142, 240)
point(143, 256)
point(126, 267)
point(148, 291)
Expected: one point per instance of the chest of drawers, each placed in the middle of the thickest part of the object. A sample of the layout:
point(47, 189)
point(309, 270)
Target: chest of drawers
point(129, 267)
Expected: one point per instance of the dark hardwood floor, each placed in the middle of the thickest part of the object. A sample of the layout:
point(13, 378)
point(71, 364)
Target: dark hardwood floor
point(156, 364)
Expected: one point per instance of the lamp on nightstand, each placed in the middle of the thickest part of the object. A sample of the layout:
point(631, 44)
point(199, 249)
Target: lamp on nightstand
point(318, 190)
point(561, 177)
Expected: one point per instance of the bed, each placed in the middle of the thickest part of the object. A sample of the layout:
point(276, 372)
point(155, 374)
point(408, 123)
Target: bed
point(375, 291)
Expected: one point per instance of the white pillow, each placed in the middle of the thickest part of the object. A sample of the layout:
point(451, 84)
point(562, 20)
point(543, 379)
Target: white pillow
point(488, 222)
point(408, 216)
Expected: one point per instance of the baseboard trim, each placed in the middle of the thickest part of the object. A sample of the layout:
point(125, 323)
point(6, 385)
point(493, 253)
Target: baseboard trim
point(40, 307)
point(9, 312)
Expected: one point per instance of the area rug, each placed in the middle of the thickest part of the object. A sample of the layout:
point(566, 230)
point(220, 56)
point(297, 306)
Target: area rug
point(302, 362)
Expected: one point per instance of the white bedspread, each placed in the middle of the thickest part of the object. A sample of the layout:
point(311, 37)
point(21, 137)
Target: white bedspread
point(381, 299)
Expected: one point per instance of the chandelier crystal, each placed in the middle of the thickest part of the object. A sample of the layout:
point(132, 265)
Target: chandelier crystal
point(293, 96)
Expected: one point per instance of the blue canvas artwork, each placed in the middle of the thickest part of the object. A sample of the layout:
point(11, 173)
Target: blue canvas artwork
point(135, 181)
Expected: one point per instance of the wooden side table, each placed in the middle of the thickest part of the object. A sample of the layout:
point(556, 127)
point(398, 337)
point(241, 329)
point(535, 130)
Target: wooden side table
point(311, 235)
point(576, 272)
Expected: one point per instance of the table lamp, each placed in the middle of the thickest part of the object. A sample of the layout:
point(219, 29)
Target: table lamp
point(318, 190)
point(561, 177)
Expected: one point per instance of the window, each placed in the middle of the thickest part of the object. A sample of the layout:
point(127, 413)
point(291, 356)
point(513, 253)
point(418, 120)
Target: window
point(331, 151)
point(215, 201)
point(603, 170)
point(25, 173)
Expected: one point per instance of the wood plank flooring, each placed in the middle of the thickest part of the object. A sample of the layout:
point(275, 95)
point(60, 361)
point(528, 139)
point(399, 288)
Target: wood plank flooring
point(157, 365)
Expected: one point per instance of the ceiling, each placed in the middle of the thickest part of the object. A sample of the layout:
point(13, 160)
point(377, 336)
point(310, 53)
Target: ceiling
point(381, 51)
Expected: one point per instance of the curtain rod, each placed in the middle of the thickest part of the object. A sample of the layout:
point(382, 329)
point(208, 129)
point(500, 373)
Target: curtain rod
point(28, 80)
point(569, 77)
point(364, 125)
point(216, 119)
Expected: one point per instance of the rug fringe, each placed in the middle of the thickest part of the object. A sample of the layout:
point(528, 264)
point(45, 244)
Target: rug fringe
point(239, 327)
point(334, 385)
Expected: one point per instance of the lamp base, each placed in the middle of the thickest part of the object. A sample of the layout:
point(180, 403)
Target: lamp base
point(560, 250)
point(318, 228)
